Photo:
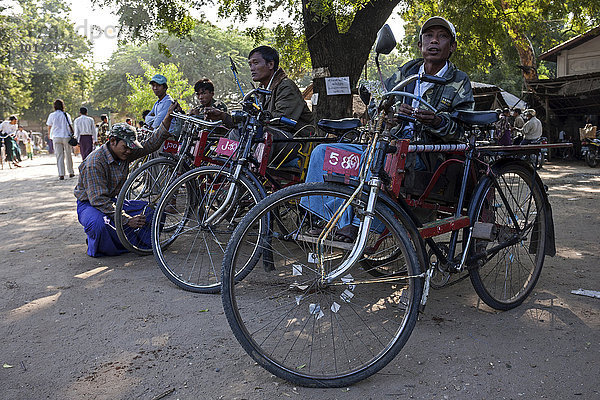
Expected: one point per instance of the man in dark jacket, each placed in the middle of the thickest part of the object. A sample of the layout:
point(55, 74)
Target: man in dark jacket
point(285, 100)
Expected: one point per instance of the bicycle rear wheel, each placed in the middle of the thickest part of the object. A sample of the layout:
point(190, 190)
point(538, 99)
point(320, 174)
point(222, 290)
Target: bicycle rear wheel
point(146, 183)
point(197, 204)
point(515, 212)
point(297, 326)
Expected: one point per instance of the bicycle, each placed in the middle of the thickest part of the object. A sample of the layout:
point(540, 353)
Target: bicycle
point(333, 313)
point(149, 180)
point(212, 199)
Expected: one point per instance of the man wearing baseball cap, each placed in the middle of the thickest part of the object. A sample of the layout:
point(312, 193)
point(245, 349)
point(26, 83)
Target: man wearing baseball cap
point(437, 42)
point(101, 177)
point(159, 110)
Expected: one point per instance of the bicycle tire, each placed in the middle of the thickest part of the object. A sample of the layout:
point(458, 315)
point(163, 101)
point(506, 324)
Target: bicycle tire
point(591, 157)
point(505, 278)
point(191, 256)
point(145, 183)
point(365, 320)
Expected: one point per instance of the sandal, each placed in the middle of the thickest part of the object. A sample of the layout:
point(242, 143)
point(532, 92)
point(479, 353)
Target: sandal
point(347, 234)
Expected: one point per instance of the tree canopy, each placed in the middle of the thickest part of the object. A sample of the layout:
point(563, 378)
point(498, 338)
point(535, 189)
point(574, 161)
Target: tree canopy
point(203, 53)
point(498, 40)
point(43, 59)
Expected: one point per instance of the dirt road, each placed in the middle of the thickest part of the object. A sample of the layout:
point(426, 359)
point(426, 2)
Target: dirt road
point(75, 327)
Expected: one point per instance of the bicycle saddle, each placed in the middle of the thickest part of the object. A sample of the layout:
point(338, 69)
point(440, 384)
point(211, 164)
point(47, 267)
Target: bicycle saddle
point(475, 117)
point(335, 126)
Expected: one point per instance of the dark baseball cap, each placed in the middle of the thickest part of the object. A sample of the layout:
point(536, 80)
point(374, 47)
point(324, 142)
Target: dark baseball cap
point(127, 133)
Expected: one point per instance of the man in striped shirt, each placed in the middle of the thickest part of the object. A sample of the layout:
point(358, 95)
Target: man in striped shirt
point(101, 177)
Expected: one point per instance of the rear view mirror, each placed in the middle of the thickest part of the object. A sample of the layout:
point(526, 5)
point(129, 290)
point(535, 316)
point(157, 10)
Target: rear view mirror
point(385, 40)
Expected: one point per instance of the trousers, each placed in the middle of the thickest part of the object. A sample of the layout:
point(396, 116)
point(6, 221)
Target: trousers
point(62, 149)
point(102, 238)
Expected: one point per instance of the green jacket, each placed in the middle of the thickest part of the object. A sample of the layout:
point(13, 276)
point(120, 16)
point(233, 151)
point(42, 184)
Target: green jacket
point(287, 101)
point(455, 95)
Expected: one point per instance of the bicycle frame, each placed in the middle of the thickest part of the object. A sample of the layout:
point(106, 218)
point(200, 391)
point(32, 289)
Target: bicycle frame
point(379, 145)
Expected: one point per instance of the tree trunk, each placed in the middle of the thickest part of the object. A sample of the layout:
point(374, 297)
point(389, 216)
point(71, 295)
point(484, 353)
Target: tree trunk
point(335, 54)
point(523, 45)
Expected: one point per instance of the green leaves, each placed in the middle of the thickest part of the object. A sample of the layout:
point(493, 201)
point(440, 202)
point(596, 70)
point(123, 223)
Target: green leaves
point(142, 98)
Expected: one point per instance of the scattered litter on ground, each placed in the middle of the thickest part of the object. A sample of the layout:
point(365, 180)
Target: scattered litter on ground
point(588, 293)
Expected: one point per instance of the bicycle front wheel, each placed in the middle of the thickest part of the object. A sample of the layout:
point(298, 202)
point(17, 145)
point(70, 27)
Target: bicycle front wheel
point(145, 185)
point(204, 205)
point(293, 323)
point(514, 213)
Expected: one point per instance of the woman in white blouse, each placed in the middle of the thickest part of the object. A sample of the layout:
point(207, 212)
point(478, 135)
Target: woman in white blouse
point(59, 130)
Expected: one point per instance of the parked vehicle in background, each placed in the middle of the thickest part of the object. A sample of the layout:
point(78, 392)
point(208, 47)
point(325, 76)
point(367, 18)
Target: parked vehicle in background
point(590, 151)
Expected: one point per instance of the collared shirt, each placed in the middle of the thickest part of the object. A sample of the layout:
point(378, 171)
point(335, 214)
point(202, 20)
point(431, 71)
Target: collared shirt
point(7, 128)
point(22, 135)
point(159, 112)
point(101, 176)
point(85, 125)
point(532, 129)
point(420, 89)
point(58, 123)
point(455, 94)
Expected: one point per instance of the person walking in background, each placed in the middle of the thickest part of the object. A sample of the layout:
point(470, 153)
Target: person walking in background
point(59, 130)
point(22, 137)
point(85, 132)
point(8, 129)
point(103, 130)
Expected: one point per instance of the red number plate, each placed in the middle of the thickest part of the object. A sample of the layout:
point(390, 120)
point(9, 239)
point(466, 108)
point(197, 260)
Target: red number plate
point(226, 147)
point(341, 161)
point(171, 146)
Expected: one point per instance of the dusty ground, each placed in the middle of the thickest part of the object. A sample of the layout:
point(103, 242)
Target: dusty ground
point(74, 327)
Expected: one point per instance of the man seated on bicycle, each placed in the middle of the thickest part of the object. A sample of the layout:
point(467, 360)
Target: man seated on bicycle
point(437, 42)
point(285, 100)
point(101, 177)
point(205, 93)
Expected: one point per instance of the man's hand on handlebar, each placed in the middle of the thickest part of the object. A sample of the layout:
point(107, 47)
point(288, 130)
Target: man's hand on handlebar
point(426, 117)
point(214, 114)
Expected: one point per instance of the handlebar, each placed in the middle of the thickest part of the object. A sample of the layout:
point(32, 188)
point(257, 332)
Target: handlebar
point(196, 120)
point(284, 120)
point(423, 77)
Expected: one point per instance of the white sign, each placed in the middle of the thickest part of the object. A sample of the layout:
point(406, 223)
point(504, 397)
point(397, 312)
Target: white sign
point(337, 85)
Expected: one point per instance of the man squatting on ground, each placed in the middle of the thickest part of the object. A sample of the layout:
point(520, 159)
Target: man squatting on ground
point(437, 42)
point(101, 177)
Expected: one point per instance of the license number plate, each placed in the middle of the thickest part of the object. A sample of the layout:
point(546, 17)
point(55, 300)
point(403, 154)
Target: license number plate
point(226, 147)
point(171, 146)
point(341, 161)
